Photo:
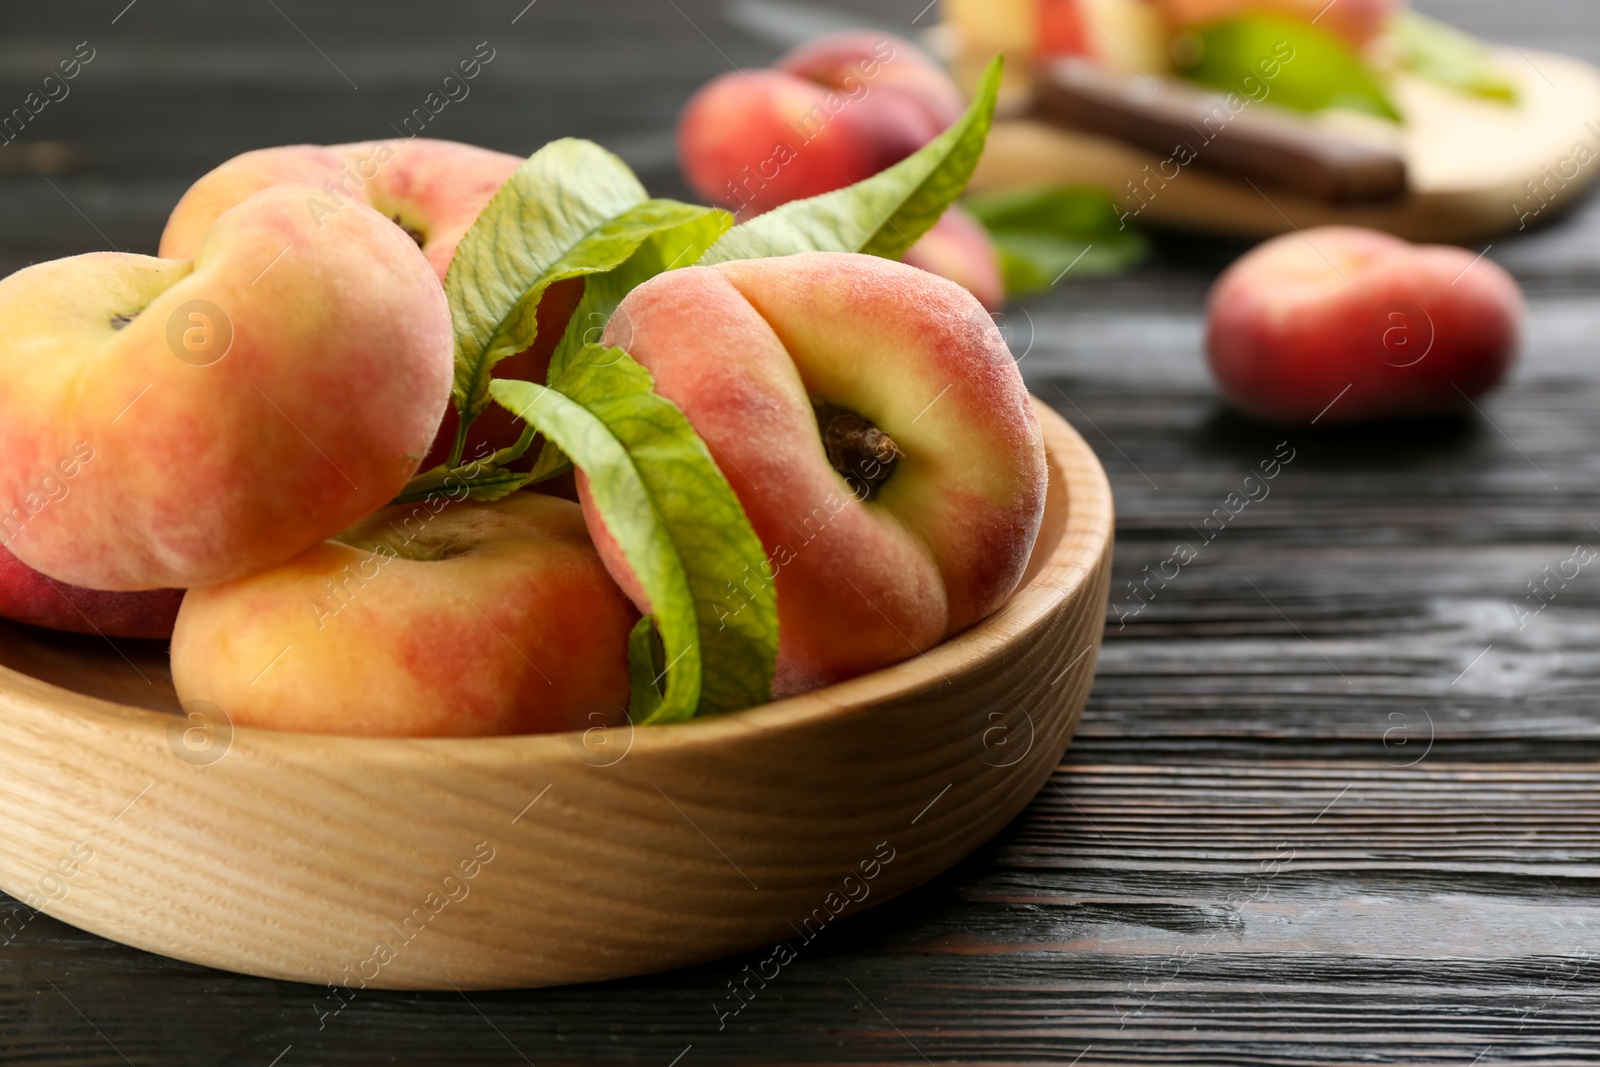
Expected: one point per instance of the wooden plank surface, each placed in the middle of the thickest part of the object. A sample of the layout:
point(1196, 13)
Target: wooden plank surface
point(1335, 797)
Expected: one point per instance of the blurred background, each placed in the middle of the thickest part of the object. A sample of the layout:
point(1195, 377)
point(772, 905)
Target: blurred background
point(178, 86)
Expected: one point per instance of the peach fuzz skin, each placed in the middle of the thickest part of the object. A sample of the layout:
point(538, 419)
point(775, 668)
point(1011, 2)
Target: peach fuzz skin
point(833, 112)
point(1300, 318)
point(746, 348)
point(28, 596)
point(435, 190)
point(427, 620)
point(225, 461)
point(835, 59)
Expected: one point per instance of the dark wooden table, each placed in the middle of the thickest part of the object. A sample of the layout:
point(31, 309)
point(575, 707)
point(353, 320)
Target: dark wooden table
point(1333, 799)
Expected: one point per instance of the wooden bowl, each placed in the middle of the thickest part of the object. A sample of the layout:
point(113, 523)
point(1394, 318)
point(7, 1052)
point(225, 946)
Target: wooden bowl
point(532, 861)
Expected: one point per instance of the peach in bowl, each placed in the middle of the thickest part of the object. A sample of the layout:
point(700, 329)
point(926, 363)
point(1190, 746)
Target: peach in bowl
point(541, 859)
point(485, 723)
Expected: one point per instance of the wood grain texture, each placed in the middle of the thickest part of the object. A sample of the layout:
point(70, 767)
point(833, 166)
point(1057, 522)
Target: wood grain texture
point(1403, 547)
point(1248, 914)
point(425, 865)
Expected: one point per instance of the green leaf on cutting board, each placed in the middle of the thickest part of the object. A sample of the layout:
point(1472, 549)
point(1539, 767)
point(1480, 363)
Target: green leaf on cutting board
point(882, 215)
point(571, 210)
point(1279, 60)
point(1045, 232)
point(676, 520)
point(1446, 55)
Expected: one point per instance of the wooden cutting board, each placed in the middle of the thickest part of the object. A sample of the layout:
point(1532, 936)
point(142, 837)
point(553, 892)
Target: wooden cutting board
point(1476, 168)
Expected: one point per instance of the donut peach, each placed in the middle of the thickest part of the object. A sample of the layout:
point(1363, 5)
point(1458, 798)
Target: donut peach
point(877, 432)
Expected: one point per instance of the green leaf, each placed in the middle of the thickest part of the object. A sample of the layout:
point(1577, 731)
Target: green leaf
point(551, 462)
point(1446, 55)
point(573, 209)
point(496, 485)
point(603, 249)
point(1274, 59)
point(646, 664)
point(666, 248)
point(676, 520)
point(1045, 232)
point(624, 502)
point(476, 480)
point(883, 215)
point(556, 201)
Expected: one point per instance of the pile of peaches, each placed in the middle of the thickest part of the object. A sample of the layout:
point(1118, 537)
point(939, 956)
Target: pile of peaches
point(397, 439)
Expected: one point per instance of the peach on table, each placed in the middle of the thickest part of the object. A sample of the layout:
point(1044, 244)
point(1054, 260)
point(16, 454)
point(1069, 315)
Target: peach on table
point(1339, 324)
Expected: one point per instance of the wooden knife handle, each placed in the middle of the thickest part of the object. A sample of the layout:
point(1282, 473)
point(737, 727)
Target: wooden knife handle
point(1191, 126)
